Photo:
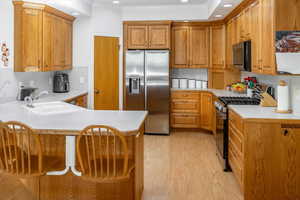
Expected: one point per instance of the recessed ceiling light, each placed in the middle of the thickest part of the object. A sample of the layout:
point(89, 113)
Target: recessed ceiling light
point(184, 1)
point(218, 16)
point(116, 2)
point(75, 13)
point(228, 5)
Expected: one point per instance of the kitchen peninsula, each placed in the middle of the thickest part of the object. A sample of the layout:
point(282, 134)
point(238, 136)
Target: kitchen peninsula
point(58, 132)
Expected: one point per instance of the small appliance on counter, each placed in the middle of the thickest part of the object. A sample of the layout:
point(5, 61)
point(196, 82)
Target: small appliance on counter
point(175, 83)
point(183, 83)
point(61, 83)
point(25, 92)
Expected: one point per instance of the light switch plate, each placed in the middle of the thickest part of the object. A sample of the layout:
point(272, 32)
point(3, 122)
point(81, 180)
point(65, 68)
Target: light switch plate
point(297, 93)
point(81, 80)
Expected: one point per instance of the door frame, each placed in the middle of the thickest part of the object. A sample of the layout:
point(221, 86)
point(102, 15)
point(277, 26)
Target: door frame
point(91, 86)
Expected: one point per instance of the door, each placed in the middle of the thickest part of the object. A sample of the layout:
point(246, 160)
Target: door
point(68, 30)
point(229, 58)
point(59, 44)
point(137, 37)
point(159, 37)
point(180, 44)
point(31, 48)
point(106, 73)
point(256, 38)
point(199, 47)
point(289, 164)
point(268, 37)
point(206, 110)
point(48, 41)
point(135, 80)
point(157, 91)
point(218, 47)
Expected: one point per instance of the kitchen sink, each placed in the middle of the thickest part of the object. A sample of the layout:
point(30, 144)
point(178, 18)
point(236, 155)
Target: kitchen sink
point(52, 108)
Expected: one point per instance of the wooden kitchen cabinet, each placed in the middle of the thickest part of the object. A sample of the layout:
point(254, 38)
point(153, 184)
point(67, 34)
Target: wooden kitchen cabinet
point(148, 35)
point(190, 47)
point(207, 110)
point(180, 47)
point(218, 47)
point(264, 157)
point(79, 101)
point(159, 36)
point(192, 109)
point(199, 47)
point(229, 44)
point(43, 38)
point(137, 37)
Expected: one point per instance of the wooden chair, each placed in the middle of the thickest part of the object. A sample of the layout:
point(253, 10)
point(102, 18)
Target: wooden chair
point(103, 155)
point(21, 152)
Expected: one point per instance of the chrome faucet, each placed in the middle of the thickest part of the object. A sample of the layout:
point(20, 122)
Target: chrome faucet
point(30, 99)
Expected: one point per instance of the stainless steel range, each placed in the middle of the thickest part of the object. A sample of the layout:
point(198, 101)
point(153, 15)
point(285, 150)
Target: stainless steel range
point(222, 124)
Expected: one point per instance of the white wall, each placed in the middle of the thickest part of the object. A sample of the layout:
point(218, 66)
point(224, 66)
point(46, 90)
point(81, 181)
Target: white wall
point(165, 12)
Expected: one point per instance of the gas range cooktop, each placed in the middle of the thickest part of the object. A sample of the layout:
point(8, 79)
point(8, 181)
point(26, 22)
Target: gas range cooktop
point(239, 101)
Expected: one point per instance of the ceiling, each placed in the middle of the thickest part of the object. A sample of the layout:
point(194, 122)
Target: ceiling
point(151, 2)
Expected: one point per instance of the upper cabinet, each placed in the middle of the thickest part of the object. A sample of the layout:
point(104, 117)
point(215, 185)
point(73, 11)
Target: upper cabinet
point(190, 46)
point(43, 38)
point(218, 47)
point(147, 35)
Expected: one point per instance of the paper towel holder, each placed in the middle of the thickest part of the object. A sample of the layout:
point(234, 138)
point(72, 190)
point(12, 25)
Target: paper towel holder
point(283, 83)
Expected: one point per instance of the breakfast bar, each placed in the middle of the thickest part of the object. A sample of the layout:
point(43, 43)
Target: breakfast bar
point(58, 132)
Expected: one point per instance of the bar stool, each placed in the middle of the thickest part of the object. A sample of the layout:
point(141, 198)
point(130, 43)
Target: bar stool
point(21, 152)
point(103, 155)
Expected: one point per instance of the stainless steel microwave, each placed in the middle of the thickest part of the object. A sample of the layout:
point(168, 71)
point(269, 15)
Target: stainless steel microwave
point(242, 56)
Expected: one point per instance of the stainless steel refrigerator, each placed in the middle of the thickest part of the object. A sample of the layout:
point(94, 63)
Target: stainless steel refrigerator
point(148, 87)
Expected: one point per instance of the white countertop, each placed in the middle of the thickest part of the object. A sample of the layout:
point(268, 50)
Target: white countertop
point(216, 92)
point(125, 121)
point(258, 112)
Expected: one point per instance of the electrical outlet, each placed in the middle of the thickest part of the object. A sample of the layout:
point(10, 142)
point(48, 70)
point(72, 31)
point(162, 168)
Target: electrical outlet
point(81, 80)
point(297, 93)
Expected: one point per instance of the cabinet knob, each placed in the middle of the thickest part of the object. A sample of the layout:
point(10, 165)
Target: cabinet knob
point(97, 91)
point(285, 132)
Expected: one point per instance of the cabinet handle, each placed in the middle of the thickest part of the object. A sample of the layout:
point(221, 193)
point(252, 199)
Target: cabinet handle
point(285, 132)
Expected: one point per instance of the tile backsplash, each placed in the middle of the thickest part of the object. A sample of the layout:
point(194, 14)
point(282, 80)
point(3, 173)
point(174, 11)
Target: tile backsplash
point(293, 82)
point(197, 74)
point(9, 81)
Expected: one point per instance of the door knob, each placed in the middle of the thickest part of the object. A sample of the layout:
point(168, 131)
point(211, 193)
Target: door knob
point(97, 91)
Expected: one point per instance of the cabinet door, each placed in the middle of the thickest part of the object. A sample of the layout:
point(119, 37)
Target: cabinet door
point(31, 40)
point(199, 47)
point(180, 52)
point(68, 32)
point(247, 24)
point(268, 37)
point(48, 41)
point(206, 110)
point(159, 37)
point(229, 58)
point(59, 44)
point(234, 31)
point(137, 37)
point(289, 164)
point(238, 29)
point(218, 47)
point(256, 38)
point(179, 120)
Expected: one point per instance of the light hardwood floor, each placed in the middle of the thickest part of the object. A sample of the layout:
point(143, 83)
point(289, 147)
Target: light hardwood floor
point(184, 166)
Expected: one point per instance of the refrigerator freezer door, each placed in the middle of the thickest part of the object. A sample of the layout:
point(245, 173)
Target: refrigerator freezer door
point(135, 80)
point(157, 94)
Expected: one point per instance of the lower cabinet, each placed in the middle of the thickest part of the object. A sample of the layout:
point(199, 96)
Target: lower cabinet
point(265, 157)
point(192, 109)
point(79, 101)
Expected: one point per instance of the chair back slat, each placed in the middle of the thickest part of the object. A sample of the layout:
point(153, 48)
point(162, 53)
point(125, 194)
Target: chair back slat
point(20, 150)
point(102, 153)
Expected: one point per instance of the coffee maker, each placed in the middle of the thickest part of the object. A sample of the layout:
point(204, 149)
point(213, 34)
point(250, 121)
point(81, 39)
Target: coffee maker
point(61, 83)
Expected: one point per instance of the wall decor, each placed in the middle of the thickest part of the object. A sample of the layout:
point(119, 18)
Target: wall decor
point(4, 54)
point(288, 52)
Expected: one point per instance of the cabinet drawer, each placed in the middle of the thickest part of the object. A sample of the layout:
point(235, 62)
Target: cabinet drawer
point(236, 121)
point(185, 120)
point(236, 139)
point(185, 106)
point(185, 95)
point(236, 167)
